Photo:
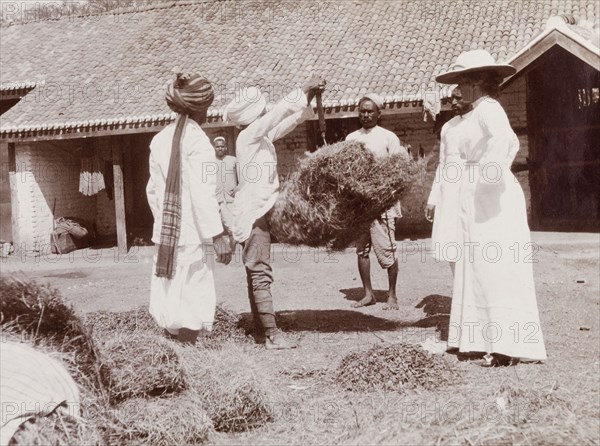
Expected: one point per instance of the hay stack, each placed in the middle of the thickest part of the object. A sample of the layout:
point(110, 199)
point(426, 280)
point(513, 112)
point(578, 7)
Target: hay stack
point(337, 192)
point(234, 396)
point(58, 430)
point(394, 368)
point(40, 313)
point(226, 328)
point(177, 420)
point(142, 364)
point(120, 325)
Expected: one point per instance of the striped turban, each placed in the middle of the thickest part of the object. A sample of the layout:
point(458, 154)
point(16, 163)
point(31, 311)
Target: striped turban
point(189, 94)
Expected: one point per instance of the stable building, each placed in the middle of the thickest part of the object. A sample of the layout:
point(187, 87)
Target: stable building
point(82, 97)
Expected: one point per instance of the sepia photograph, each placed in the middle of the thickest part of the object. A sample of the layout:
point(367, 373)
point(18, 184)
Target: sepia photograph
point(309, 222)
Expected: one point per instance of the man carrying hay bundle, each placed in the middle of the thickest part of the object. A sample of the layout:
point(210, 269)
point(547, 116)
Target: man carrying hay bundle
point(381, 143)
point(186, 214)
point(259, 187)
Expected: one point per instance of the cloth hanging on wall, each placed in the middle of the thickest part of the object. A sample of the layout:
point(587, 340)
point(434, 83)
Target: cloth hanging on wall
point(91, 176)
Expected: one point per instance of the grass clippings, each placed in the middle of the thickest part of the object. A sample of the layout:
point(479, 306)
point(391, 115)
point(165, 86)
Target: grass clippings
point(336, 192)
point(39, 313)
point(396, 368)
point(231, 390)
point(142, 364)
point(175, 420)
point(527, 405)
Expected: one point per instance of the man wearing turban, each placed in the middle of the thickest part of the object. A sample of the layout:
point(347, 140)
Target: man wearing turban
point(182, 197)
point(259, 186)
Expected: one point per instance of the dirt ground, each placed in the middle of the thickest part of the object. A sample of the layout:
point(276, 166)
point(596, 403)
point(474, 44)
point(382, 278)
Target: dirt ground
point(313, 293)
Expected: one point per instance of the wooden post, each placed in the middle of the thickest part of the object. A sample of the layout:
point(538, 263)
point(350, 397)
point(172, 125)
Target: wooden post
point(13, 210)
point(117, 159)
point(128, 175)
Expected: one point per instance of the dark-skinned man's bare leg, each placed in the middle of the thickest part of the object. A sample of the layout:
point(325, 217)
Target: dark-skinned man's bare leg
point(364, 269)
point(392, 302)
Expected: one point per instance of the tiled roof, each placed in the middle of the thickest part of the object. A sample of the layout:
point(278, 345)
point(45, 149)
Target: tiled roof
point(110, 71)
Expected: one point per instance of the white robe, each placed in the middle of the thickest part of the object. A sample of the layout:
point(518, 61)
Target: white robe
point(446, 237)
point(494, 306)
point(188, 300)
point(257, 161)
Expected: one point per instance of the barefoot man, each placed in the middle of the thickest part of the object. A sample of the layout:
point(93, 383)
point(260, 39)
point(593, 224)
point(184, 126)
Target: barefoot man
point(380, 237)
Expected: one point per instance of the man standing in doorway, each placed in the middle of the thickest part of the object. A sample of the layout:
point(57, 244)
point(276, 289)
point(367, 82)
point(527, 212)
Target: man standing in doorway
point(380, 236)
point(227, 181)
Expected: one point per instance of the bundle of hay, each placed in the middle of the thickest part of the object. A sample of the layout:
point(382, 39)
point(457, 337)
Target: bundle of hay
point(226, 328)
point(59, 430)
point(120, 325)
point(142, 364)
point(337, 192)
point(175, 420)
point(397, 367)
point(235, 398)
point(40, 313)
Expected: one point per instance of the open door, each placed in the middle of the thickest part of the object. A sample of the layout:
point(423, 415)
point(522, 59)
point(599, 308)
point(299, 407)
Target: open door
point(564, 126)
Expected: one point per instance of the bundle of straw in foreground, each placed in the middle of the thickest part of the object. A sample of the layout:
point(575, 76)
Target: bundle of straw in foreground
point(236, 398)
point(38, 312)
point(336, 193)
point(175, 420)
point(142, 364)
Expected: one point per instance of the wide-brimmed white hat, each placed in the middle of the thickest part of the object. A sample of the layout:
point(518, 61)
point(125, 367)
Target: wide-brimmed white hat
point(474, 61)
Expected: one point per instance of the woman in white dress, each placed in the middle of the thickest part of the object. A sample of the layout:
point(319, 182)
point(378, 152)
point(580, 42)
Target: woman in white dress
point(494, 308)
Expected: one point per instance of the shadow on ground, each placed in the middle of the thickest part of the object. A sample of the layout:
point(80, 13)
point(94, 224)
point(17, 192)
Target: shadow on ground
point(357, 294)
point(330, 321)
point(437, 310)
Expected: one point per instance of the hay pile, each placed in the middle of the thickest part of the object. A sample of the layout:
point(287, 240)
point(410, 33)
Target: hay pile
point(58, 430)
point(144, 394)
point(39, 313)
point(105, 324)
point(230, 389)
point(337, 192)
point(142, 365)
point(227, 327)
point(397, 367)
point(168, 421)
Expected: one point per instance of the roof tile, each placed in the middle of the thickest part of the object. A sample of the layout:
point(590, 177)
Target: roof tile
point(351, 48)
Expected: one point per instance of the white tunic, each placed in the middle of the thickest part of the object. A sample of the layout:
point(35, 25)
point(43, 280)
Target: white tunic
point(188, 300)
point(446, 238)
point(257, 161)
point(494, 306)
